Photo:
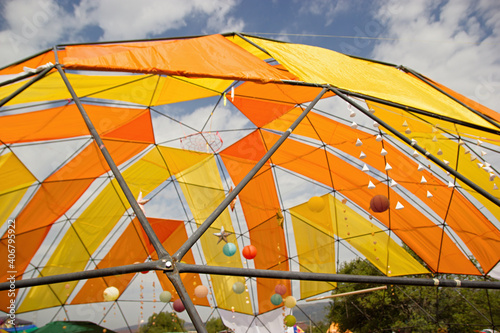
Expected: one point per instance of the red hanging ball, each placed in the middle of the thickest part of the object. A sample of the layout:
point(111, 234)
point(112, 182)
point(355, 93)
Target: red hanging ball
point(379, 203)
point(178, 306)
point(249, 252)
point(280, 289)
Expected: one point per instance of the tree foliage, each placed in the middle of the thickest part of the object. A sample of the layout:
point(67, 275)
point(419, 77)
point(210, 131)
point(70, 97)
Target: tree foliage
point(413, 308)
point(215, 325)
point(163, 322)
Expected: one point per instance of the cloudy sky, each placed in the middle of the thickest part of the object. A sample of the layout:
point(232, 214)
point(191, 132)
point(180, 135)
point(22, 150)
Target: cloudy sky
point(454, 42)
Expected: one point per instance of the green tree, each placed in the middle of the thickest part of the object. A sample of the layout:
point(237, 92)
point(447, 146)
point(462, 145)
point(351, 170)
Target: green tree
point(215, 325)
point(163, 322)
point(412, 308)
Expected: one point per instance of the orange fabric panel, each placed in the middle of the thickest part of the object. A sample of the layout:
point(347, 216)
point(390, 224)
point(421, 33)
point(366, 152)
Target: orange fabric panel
point(260, 204)
point(66, 121)
point(463, 219)
point(209, 56)
point(427, 239)
point(23, 257)
point(170, 232)
point(33, 62)
point(140, 129)
point(263, 103)
point(65, 187)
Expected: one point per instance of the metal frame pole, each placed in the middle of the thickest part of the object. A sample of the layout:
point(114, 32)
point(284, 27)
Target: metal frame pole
point(332, 277)
point(26, 85)
point(153, 238)
point(215, 214)
point(428, 155)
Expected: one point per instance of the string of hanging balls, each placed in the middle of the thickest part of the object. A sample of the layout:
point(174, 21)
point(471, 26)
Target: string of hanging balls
point(378, 204)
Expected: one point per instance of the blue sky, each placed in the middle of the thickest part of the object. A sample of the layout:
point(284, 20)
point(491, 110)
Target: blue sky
point(453, 42)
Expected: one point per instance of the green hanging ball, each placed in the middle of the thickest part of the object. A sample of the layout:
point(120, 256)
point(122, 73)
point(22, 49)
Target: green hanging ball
point(238, 287)
point(165, 296)
point(276, 299)
point(229, 249)
point(290, 320)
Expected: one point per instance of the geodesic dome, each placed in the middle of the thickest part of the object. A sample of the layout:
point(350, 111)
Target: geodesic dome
point(154, 155)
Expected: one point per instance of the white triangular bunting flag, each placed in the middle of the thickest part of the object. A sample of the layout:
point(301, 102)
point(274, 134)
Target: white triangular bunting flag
point(450, 184)
point(354, 125)
point(375, 124)
point(423, 180)
point(399, 206)
point(362, 155)
point(405, 124)
point(378, 138)
point(352, 114)
point(393, 183)
point(479, 142)
point(415, 154)
point(472, 157)
point(483, 153)
point(460, 142)
point(446, 162)
point(420, 167)
point(383, 152)
point(495, 187)
point(413, 142)
point(408, 131)
point(365, 168)
point(387, 167)
point(440, 152)
point(429, 194)
point(480, 165)
point(466, 150)
point(358, 142)
point(492, 176)
point(371, 185)
point(434, 139)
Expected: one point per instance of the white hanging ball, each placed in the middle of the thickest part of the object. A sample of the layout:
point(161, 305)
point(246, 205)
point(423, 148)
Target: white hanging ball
point(111, 294)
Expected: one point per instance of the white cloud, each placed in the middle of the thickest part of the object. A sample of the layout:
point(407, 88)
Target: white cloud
point(33, 25)
point(454, 43)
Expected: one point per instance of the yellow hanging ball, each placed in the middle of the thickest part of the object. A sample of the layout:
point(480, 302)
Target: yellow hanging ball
point(111, 294)
point(290, 302)
point(316, 204)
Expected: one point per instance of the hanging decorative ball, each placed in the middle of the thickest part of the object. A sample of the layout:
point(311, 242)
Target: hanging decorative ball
point(290, 302)
point(229, 249)
point(290, 320)
point(276, 299)
point(316, 204)
point(201, 291)
point(111, 294)
point(249, 252)
point(178, 305)
point(238, 287)
point(379, 203)
point(165, 296)
point(280, 289)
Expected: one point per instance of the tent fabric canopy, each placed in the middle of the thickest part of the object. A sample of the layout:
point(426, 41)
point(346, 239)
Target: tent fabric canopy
point(185, 120)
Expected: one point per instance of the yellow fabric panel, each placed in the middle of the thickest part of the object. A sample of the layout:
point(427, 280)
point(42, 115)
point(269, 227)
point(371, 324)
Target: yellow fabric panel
point(247, 46)
point(128, 88)
point(478, 233)
point(179, 89)
point(14, 182)
point(315, 244)
point(92, 227)
point(318, 65)
point(203, 190)
point(371, 241)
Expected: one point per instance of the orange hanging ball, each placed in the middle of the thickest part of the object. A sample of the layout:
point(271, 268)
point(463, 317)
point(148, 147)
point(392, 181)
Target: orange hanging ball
point(249, 252)
point(379, 203)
